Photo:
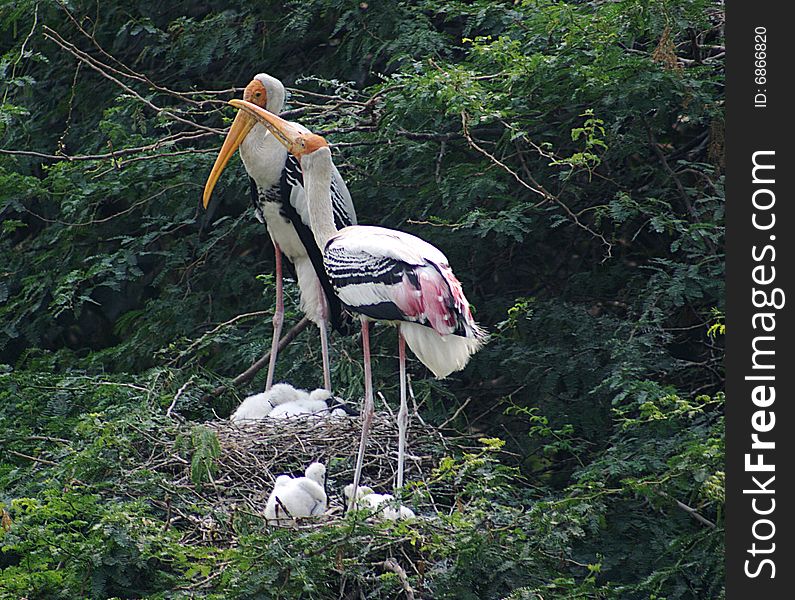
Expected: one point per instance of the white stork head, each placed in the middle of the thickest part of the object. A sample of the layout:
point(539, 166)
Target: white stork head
point(297, 139)
point(266, 87)
point(264, 91)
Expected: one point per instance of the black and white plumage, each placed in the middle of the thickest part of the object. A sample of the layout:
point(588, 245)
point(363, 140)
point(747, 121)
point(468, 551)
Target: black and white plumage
point(394, 276)
point(297, 497)
point(280, 202)
point(382, 274)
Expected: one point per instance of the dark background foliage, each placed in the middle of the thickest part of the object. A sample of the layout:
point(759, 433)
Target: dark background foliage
point(566, 156)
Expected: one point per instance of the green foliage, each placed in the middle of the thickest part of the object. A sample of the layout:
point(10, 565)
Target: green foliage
point(205, 450)
point(566, 156)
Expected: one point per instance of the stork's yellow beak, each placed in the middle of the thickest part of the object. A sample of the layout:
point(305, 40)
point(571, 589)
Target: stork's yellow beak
point(289, 134)
point(237, 133)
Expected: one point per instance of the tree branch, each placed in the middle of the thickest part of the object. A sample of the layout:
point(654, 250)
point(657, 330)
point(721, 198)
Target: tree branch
point(103, 69)
point(255, 368)
point(33, 458)
point(679, 187)
point(115, 154)
point(536, 188)
point(691, 511)
point(394, 567)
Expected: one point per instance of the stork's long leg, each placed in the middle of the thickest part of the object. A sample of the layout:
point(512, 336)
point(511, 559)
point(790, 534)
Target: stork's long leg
point(278, 317)
point(323, 326)
point(367, 411)
point(403, 413)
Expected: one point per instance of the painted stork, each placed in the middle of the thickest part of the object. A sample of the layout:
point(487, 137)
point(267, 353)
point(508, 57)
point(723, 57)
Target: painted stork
point(383, 275)
point(279, 198)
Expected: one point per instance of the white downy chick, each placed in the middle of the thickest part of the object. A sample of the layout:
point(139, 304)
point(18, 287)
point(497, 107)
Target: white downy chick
point(382, 505)
point(259, 406)
point(315, 403)
point(297, 497)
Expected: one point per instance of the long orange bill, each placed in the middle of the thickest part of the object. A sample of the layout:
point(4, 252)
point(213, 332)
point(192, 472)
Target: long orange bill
point(284, 131)
point(237, 133)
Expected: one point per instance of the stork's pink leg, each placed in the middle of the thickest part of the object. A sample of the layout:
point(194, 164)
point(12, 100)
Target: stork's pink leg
point(278, 317)
point(367, 411)
point(403, 413)
point(323, 326)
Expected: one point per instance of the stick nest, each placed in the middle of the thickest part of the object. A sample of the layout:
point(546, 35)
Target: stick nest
point(249, 457)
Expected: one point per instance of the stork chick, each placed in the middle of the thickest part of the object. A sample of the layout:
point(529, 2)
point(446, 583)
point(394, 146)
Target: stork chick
point(259, 406)
point(297, 497)
point(382, 505)
point(320, 402)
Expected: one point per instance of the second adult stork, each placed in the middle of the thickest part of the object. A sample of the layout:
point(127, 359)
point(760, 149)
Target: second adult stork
point(277, 187)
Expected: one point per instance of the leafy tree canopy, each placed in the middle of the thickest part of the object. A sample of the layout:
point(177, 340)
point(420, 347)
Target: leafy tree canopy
point(568, 158)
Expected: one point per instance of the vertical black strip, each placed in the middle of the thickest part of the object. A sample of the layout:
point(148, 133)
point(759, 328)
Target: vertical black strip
point(254, 192)
point(760, 429)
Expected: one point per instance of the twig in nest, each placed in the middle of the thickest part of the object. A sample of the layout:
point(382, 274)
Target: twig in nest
point(456, 413)
point(386, 405)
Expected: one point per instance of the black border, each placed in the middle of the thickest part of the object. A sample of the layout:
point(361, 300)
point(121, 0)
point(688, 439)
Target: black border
point(751, 128)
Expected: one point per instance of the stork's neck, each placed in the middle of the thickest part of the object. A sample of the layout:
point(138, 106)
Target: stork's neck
point(318, 169)
point(263, 155)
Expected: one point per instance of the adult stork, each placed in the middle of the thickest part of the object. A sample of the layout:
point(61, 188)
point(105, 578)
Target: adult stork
point(277, 189)
point(383, 275)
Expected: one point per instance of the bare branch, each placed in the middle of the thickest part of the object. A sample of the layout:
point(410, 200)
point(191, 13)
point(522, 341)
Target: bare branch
point(679, 187)
point(454, 416)
point(169, 140)
point(255, 368)
point(217, 328)
point(691, 511)
point(33, 458)
point(23, 47)
point(126, 71)
point(536, 187)
point(178, 394)
point(102, 69)
point(392, 565)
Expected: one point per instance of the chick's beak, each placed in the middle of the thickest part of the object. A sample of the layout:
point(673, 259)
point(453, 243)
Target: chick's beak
point(237, 133)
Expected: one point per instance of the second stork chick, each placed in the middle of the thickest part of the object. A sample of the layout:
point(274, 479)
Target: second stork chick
point(261, 405)
point(320, 402)
point(382, 505)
